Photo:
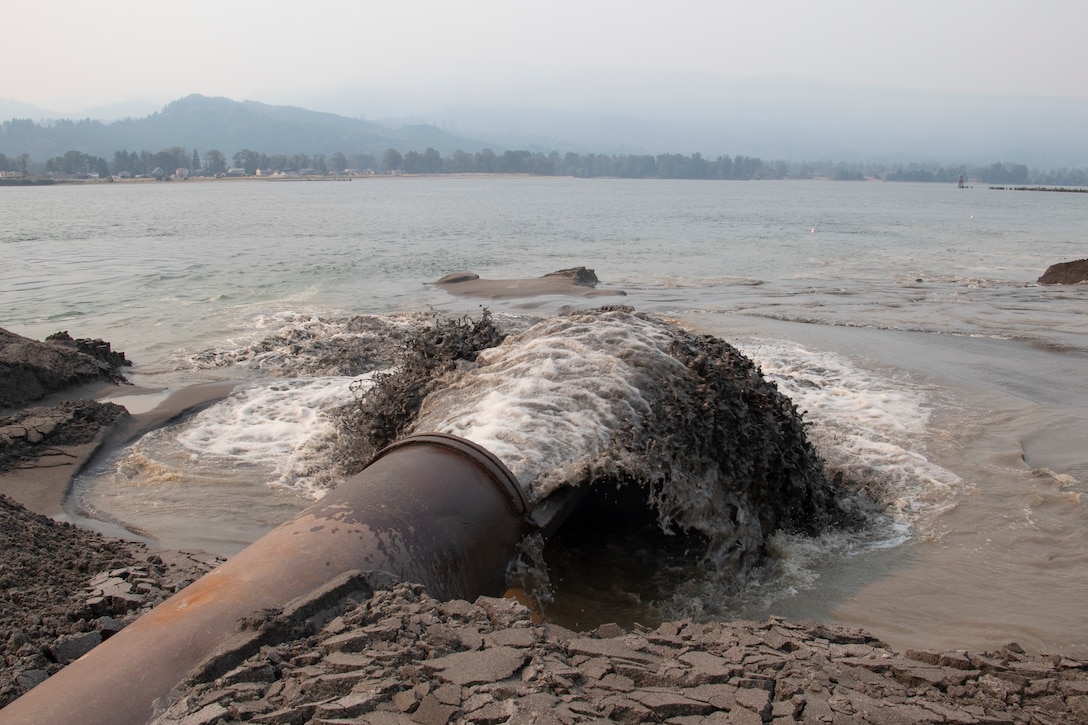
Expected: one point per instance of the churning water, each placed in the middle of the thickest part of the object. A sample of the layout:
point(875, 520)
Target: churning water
point(903, 320)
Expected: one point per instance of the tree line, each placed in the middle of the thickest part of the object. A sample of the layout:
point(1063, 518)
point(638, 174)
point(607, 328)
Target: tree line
point(214, 162)
point(430, 161)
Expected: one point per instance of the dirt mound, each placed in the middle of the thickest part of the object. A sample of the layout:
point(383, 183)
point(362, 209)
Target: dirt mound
point(1066, 273)
point(64, 589)
point(31, 370)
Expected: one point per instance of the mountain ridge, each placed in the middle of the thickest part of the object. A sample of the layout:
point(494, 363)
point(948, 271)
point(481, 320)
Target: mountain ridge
point(617, 111)
point(216, 122)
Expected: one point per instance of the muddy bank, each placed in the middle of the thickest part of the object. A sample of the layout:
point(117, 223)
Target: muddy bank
point(384, 651)
point(1075, 272)
point(64, 589)
point(31, 370)
point(576, 282)
point(59, 416)
point(388, 653)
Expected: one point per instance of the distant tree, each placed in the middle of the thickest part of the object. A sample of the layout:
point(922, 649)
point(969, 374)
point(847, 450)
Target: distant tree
point(24, 164)
point(392, 160)
point(194, 164)
point(460, 162)
point(171, 159)
point(214, 161)
point(339, 162)
point(1000, 174)
point(121, 163)
point(1063, 177)
point(572, 164)
point(513, 162)
point(486, 161)
point(363, 161)
point(76, 162)
point(432, 161)
point(843, 174)
point(927, 173)
point(247, 160)
point(541, 165)
point(637, 167)
point(412, 162)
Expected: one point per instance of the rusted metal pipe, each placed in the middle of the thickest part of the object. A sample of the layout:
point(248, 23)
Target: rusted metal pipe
point(433, 509)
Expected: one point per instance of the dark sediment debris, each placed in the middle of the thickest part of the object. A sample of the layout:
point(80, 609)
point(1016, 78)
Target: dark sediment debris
point(316, 346)
point(38, 433)
point(31, 370)
point(64, 589)
point(62, 436)
point(401, 656)
point(577, 275)
point(1075, 272)
point(386, 410)
point(727, 424)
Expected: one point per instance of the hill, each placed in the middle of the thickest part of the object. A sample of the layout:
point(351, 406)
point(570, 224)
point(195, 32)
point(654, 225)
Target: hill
point(220, 123)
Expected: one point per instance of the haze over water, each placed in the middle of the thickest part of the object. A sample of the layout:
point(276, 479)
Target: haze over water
point(903, 318)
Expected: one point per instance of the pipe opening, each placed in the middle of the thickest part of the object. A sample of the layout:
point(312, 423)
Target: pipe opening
point(611, 560)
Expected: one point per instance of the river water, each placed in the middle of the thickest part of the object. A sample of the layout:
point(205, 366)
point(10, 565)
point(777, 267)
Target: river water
point(903, 319)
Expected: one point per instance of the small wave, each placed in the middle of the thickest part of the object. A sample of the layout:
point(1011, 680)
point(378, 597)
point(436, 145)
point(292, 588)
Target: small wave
point(139, 469)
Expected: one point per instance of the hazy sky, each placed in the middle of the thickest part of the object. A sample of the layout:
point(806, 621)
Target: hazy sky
point(78, 53)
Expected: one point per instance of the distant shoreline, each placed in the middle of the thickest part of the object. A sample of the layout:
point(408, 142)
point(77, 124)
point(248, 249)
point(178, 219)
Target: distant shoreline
point(372, 177)
point(480, 175)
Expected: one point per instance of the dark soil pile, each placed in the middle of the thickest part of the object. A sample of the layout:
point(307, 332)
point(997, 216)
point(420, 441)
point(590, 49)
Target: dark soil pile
point(1066, 273)
point(64, 589)
point(391, 654)
point(31, 433)
point(31, 370)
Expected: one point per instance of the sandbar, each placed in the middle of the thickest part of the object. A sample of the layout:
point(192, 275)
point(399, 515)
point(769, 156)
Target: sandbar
point(576, 282)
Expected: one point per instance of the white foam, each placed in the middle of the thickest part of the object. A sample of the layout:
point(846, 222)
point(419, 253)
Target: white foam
point(550, 399)
point(868, 427)
point(284, 426)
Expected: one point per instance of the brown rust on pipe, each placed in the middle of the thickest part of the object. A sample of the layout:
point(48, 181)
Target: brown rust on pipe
point(433, 509)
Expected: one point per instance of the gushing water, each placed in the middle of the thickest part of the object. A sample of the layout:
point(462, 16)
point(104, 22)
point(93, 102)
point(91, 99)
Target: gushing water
point(610, 397)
